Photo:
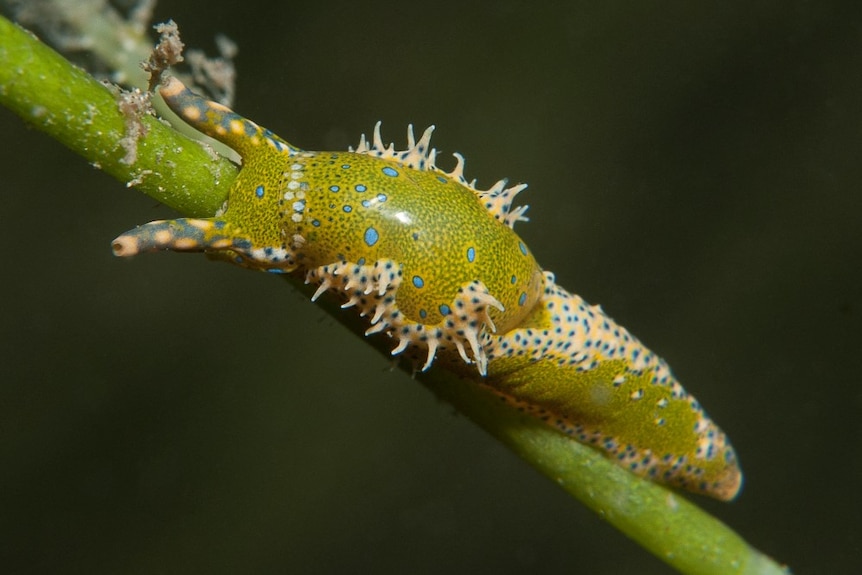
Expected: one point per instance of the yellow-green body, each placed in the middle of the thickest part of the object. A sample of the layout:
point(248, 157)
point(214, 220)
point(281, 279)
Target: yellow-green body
point(433, 262)
point(354, 208)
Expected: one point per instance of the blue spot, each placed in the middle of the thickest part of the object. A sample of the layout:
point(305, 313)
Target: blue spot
point(371, 236)
point(444, 309)
point(522, 299)
point(334, 188)
point(345, 166)
point(391, 172)
point(315, 223)
point(366, 203)
point(471, 254)
point(219, 224)
point(258, 191)
point(381, 197)
point(423, 314)
point(361, 261)
point(347, 209)
point(360, 188)
point(442, 179)
point(523, 248)
point(418, 282)
point(514, 279)
point(275, 270)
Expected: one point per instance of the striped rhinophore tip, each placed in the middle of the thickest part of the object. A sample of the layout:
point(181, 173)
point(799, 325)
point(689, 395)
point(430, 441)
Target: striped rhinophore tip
point(218, 121)
point(125, 246)
point(180, 235)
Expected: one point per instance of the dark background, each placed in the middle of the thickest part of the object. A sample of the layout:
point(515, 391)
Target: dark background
point(695, 170)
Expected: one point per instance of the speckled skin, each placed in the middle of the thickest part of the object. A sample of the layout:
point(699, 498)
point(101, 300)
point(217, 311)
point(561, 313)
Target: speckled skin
point(578, 370)
point(434, 262)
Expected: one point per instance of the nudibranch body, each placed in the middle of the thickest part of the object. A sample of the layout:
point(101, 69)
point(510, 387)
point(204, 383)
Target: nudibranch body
point(434, 262)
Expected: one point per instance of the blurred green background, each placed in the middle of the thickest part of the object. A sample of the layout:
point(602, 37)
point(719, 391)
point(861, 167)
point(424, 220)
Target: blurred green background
point(693, 167)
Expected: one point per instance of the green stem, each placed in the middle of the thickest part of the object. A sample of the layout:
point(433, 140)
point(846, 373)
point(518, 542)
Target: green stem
point(662, 521)
point(48, 92)
point(70, 105)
